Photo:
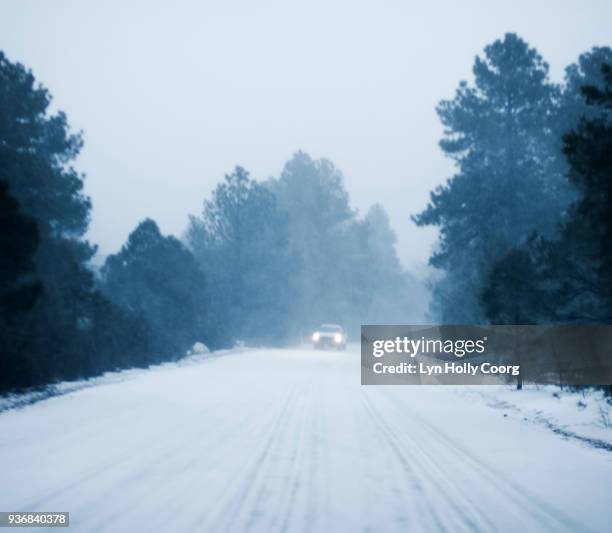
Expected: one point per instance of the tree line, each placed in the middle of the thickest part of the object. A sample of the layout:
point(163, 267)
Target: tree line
point(264, 263)
point(526, 220)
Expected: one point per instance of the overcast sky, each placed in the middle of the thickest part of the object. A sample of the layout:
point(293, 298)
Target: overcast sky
point(172, 95)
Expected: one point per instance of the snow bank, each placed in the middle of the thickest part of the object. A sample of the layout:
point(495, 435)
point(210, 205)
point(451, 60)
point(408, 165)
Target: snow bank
point(19, 400)
point(198, 348)
point(584, 415)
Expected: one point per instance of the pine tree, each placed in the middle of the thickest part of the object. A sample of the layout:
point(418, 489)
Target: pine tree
point(61, 336)
point(242, 244)
point(570, 277)
point(321, 221)
point(157, 278)
point(587, 235)
point(19, 289)
point(509, 182)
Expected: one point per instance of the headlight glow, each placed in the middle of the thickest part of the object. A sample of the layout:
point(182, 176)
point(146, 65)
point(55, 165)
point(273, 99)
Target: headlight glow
point(337, 338)
point(316, 336)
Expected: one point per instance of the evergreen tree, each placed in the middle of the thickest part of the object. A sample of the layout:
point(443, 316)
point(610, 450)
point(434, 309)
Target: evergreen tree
point(312, 194)
point(509, 181)
point(61, 336)
point(19, 290)
point(158, 279)
point(36, 153)
point(586, 237)
point(507, 298)
point(382, 293)
point(587, 71)
point(19, 239)
point(242, 244)
point(350, 273)
point(571, 276)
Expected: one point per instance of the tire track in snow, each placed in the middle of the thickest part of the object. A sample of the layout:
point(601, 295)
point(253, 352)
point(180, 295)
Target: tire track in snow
point(399, 488)
point(120, 460)
point(291, 473)
point(170, 454)
point(461, 519)
point(448, 457)
point(318, 497)
point(231, 509)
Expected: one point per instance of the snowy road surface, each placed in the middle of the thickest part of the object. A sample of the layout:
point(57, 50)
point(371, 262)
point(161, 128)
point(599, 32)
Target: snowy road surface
point(288, 440)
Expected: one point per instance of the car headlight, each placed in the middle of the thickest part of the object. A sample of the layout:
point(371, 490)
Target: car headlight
point(316, 336)
point(337, 338)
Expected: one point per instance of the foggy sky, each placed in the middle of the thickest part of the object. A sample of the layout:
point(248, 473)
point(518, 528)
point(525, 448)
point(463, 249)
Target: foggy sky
point(172, 95)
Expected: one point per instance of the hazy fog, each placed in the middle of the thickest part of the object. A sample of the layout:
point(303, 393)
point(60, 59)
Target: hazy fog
point(171, 95)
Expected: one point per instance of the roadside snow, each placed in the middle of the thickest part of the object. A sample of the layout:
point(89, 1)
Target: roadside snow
point(584, 415)
point(19, 400)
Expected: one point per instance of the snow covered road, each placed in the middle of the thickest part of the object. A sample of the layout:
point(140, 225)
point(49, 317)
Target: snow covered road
point(288, 440)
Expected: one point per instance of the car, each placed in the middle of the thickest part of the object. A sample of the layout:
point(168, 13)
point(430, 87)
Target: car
point(329, 336)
